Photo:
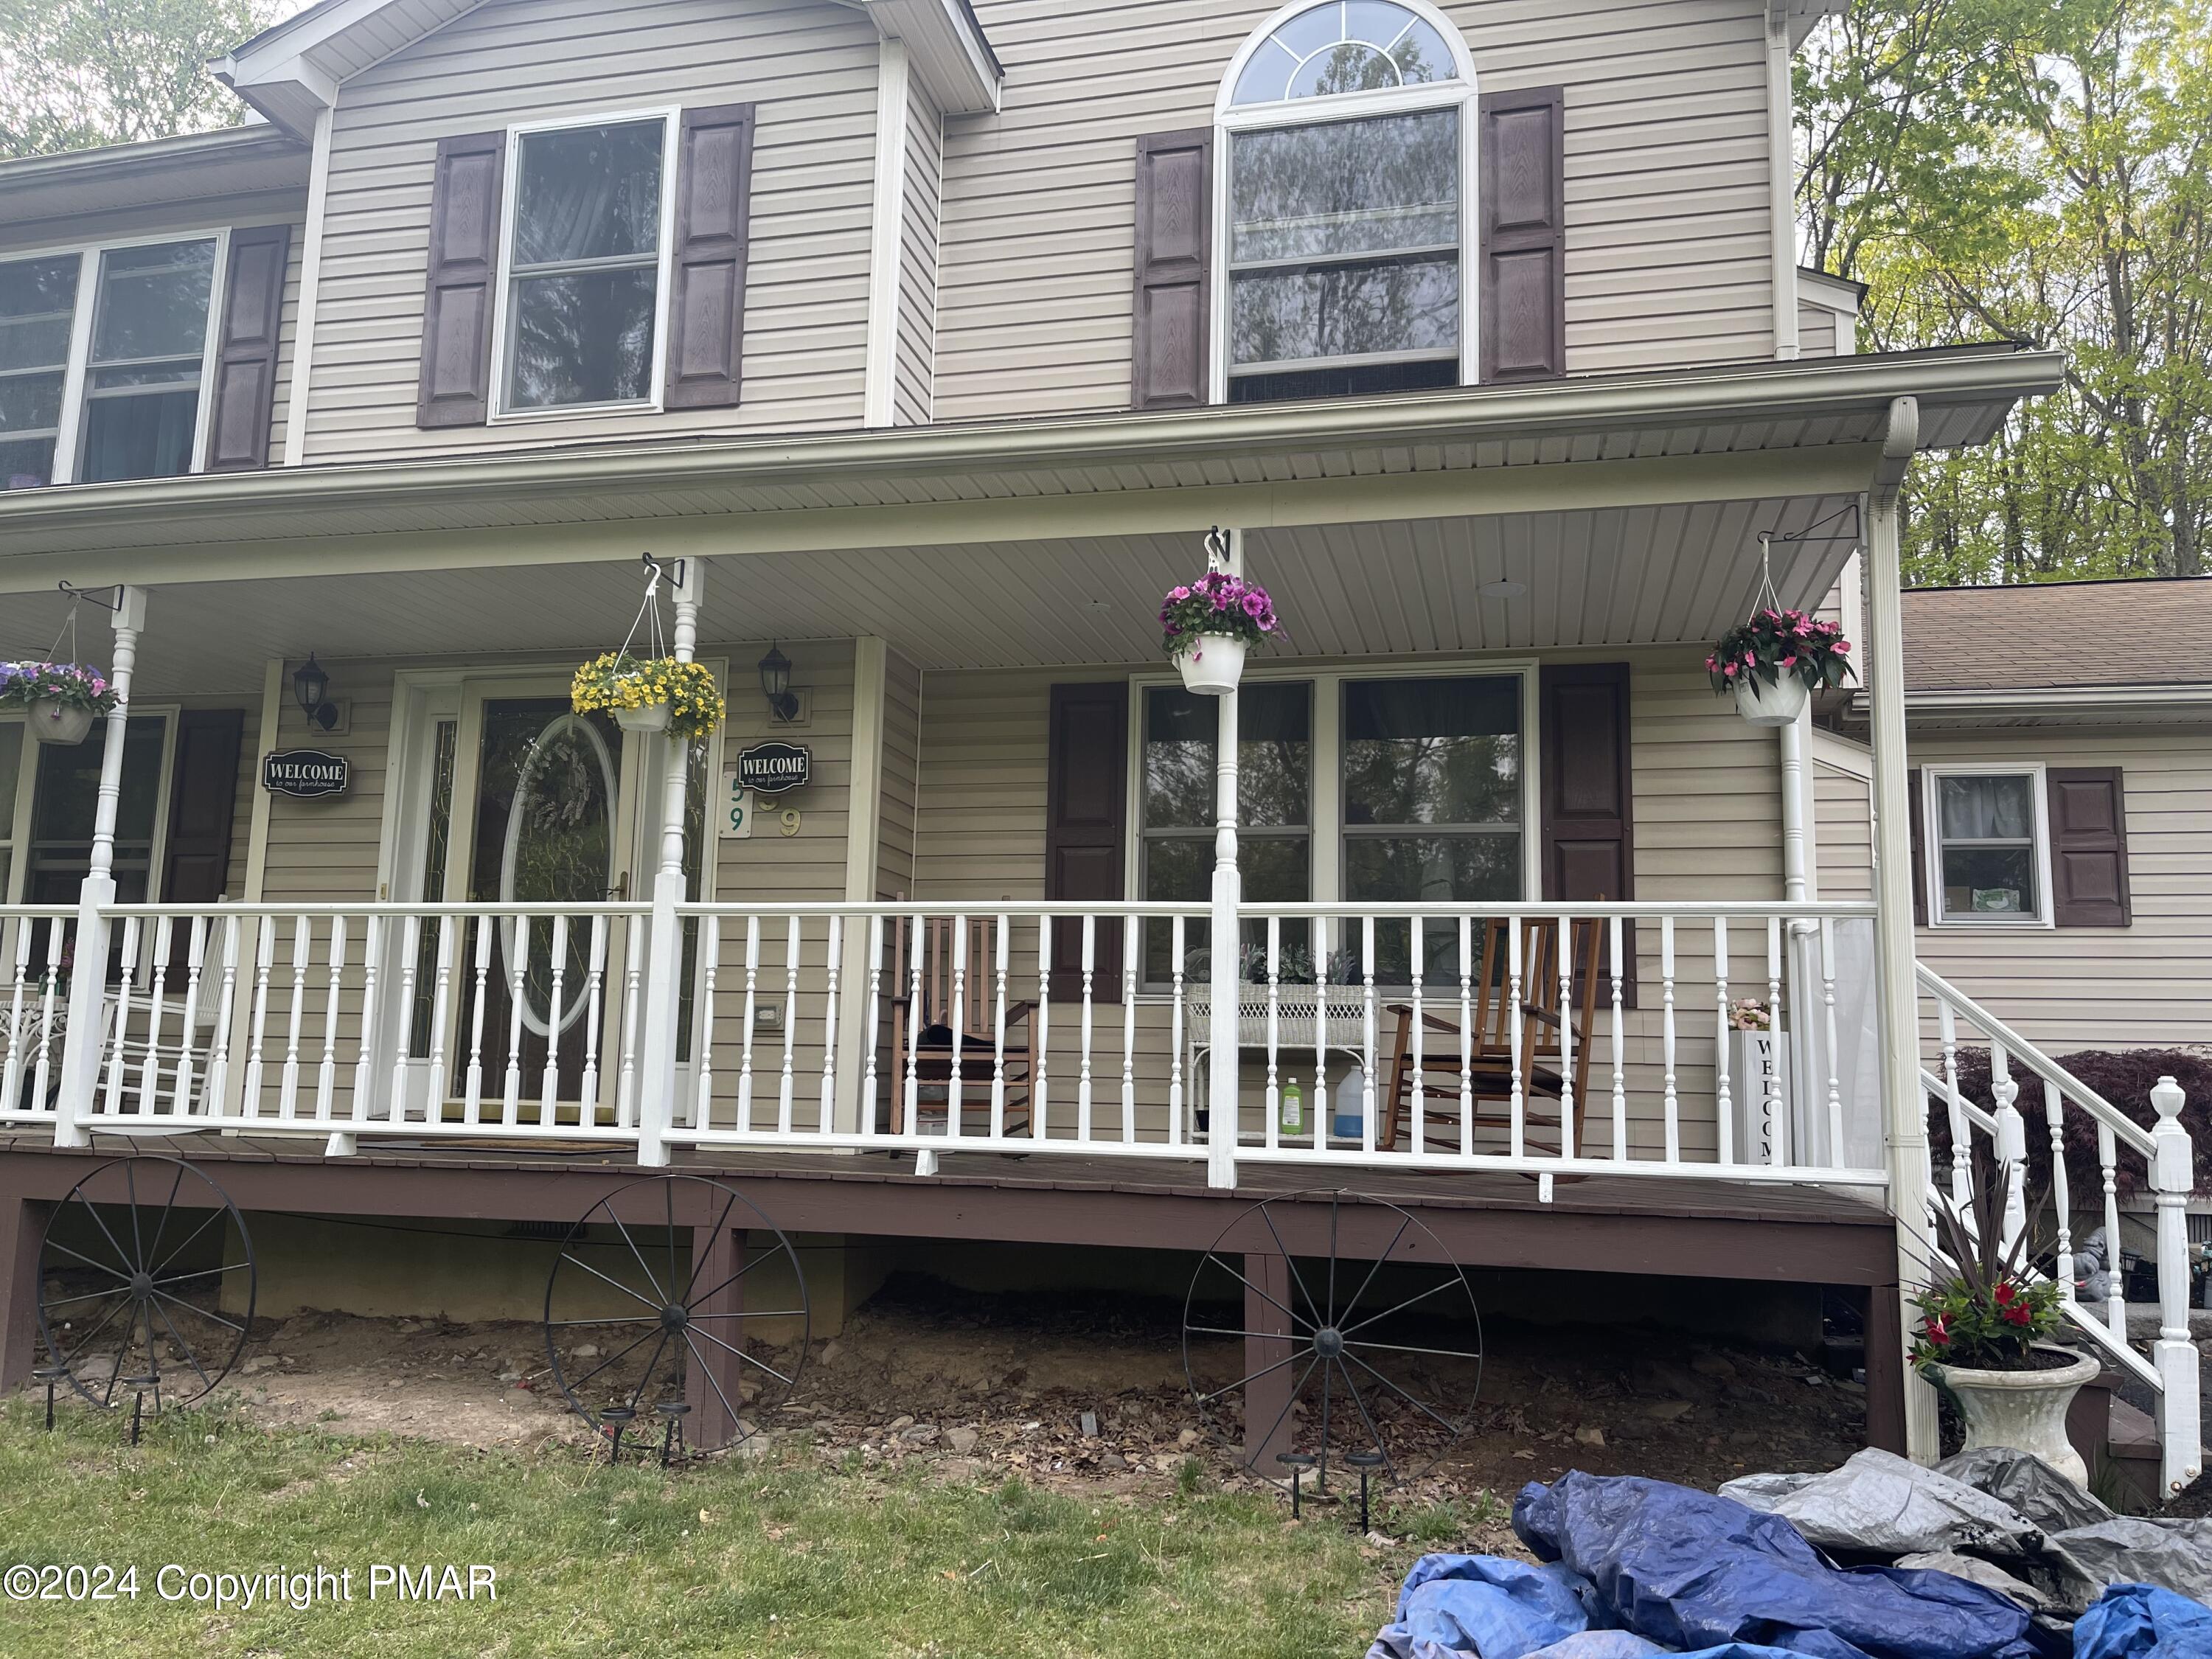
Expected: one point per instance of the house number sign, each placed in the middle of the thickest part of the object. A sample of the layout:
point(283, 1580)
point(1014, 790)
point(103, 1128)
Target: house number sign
point(306, 774)
point(769, 769)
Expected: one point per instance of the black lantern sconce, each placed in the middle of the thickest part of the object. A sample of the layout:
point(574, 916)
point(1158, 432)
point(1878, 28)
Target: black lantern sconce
point(775, 685)
point(310, 687)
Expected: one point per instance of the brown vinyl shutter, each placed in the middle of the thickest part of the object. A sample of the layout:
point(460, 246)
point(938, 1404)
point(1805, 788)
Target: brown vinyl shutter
point(2088, 847)
point(1589, 831)
point(707, 297)
point(1916, 815)
point(1084, 825)
point(244, 391)
point(202, 800)
point(1175, 283)
point(1522, 256)
point(454, 384)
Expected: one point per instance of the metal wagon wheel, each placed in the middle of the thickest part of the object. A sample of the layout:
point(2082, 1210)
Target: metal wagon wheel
point(627, 1313)
point(138, 1262)
point(1384, 1350)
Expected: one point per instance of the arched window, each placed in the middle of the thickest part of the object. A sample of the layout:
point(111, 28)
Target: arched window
point(1346, 139)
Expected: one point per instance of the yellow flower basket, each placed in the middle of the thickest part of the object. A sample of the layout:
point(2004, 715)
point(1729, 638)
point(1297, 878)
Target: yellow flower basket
point(636, 690)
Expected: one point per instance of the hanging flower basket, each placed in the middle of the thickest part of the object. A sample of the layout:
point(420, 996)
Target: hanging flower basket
point(60, 699)
point(649, 694)
point(1209, 625)
point(1774, 661)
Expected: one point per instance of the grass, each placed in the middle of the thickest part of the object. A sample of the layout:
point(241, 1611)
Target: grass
point(794, 1558)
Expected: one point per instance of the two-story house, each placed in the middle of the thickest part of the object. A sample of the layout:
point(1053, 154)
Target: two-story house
point(920, 343)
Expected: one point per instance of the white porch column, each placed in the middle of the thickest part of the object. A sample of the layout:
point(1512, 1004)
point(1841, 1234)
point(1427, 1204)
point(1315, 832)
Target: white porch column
point(81, 1054)
point(1227, 897)
point(863, 843)
point(2180, 1410)
point(1894, 947)
point(664, 960)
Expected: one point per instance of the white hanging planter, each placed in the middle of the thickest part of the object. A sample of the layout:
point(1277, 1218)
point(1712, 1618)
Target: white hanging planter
point(2024, 1410)
point(56, 722)
point(648, 718)
point(1778, 704)
point(1211, 665)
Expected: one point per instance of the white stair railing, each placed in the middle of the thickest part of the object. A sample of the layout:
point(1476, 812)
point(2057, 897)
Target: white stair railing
point(2170, 1370)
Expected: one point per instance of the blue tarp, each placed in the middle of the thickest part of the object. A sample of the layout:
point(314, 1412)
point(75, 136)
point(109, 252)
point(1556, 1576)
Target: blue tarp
point(1691, 1572)
point(2142, 1621)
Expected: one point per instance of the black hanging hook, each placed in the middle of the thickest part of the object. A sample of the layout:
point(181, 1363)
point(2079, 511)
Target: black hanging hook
point(91, 595)
point(669, 570)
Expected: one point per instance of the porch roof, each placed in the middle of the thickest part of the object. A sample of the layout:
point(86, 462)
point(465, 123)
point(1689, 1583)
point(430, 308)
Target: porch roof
point(1754, 431)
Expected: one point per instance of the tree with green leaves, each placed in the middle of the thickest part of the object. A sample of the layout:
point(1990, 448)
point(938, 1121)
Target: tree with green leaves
point(77, 73)
point(2038, 171)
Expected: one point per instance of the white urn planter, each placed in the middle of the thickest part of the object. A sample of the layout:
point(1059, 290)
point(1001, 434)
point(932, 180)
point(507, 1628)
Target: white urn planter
point(646, 718)
point(1778, 704)
point(51, 722)
point(1212, 665)
point(2023, 1410)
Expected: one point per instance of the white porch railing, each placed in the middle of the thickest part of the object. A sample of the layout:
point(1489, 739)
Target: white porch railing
point(2160, 1157)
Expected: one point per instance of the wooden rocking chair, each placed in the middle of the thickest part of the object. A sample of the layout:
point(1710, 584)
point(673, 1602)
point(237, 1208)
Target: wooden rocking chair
point(965, 1026)
point(1439, 1071)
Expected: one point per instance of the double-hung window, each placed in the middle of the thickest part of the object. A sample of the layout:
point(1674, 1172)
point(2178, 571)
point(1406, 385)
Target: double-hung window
point(586, 271)
point(103, 362)
point(1990, 857)
point(1344, 134)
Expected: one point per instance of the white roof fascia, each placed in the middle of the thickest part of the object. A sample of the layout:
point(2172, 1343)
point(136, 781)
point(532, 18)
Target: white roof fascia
point(948, 52)
point(1832, 293)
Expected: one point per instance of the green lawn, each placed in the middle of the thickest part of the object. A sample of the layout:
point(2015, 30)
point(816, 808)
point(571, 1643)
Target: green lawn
point(732, 1559)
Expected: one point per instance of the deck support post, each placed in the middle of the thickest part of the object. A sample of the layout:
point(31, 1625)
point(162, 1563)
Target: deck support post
point(82, 1046)
point(664, 966)
point(1895, 948)
point(718, 1254)
point(1882, 1321)
point(2180, 1407)
point(1267, 1425)
point(23, 1231)
point(1228, 897)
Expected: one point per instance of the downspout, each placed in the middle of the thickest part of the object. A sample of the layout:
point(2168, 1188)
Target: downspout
point(1781, 178)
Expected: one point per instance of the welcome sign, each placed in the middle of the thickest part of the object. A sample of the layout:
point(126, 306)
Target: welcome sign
point(306, 774)
point(769, 769)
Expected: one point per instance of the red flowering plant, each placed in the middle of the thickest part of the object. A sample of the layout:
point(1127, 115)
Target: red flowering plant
point(1218, 604)
point(1774, 643)
point(1989, 1312)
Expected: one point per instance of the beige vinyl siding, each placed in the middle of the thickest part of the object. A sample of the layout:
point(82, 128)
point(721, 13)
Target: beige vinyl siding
point(327, 851)
point(1667, 184)
point(808, 65)
point(1843, 820)
point(1816, 332)
point(918, 217)
point(2149, 985)
point(902, 765)
point(1707, 825)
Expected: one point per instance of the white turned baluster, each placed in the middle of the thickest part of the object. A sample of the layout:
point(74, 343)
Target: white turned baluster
point(826, 1117)
point(117, 1059)
point(264, 960)
point(1962, 1150)
point(50, 994)
point(1614, 938)
point(1418, 946)
point(703, 1021)
point(1367, 1033)
point(472, 1081)
point(1672, 1100)
point(287, 1088)
point(595, 977)
point(2011, 1146)
point(783, 1094)
point(2062, 1197)
point(373, 929)
point(1723, 1095)
point(1128, 1029)
point(1568, 1146)
point(1466, 1035)
point(1273, 1127)
point(2108, 1169)
point(1175, 1047)
point(148, 1097)
point(1835, 1159)
point(1516, 1107)
point(181, 1100)
point(956, 1015)
point(326, 1074)
point(18, 932)
point(745, 1041)
point(1040, 1062)
point(1001, 954)
point(633, 977)
point(872, 1085)
point(1322, 1120)
point(917, 1016)
point(438, 1070)
point(1083, 1073)
point(549, 1073)
point(1773, 1107)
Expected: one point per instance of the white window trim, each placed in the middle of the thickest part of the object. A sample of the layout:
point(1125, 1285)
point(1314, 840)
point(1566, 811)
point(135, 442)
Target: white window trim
point(1932, 851)
point(1460, 93)
point(26, 783)
point(69, 439)
point(501, 329)
point(1325, 804)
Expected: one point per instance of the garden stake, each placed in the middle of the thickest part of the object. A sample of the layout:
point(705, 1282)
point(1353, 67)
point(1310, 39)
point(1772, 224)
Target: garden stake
point(1298, 1464)
point(138, 1385)
point(50, 1375)
point(671, 1437)
point(1366, 1463)
point(622, 1417)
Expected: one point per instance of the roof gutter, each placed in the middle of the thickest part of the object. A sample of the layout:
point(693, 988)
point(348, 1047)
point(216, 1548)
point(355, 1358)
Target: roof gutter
point(1809, 388)
point(2075, 702)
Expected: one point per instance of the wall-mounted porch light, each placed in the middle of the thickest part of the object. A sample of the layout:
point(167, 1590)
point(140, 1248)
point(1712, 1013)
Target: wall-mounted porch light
point(775, 685)
point(310, 688)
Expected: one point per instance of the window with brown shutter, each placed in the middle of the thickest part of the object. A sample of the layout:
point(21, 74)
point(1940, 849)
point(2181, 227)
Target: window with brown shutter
point(1916, 818)
point(1589, 816)
point(244, 391)
point(203, 803)
point(454, 384)
point(1174, 254)
point(1087, 754)
point(1523, 146)
point(706, 298)
point(2088, 847)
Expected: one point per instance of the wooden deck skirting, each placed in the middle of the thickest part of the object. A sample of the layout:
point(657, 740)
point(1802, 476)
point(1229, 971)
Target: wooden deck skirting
point(1695, 1228)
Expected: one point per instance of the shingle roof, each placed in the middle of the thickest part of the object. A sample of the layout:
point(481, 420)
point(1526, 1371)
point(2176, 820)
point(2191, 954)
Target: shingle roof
point(2059, 633)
